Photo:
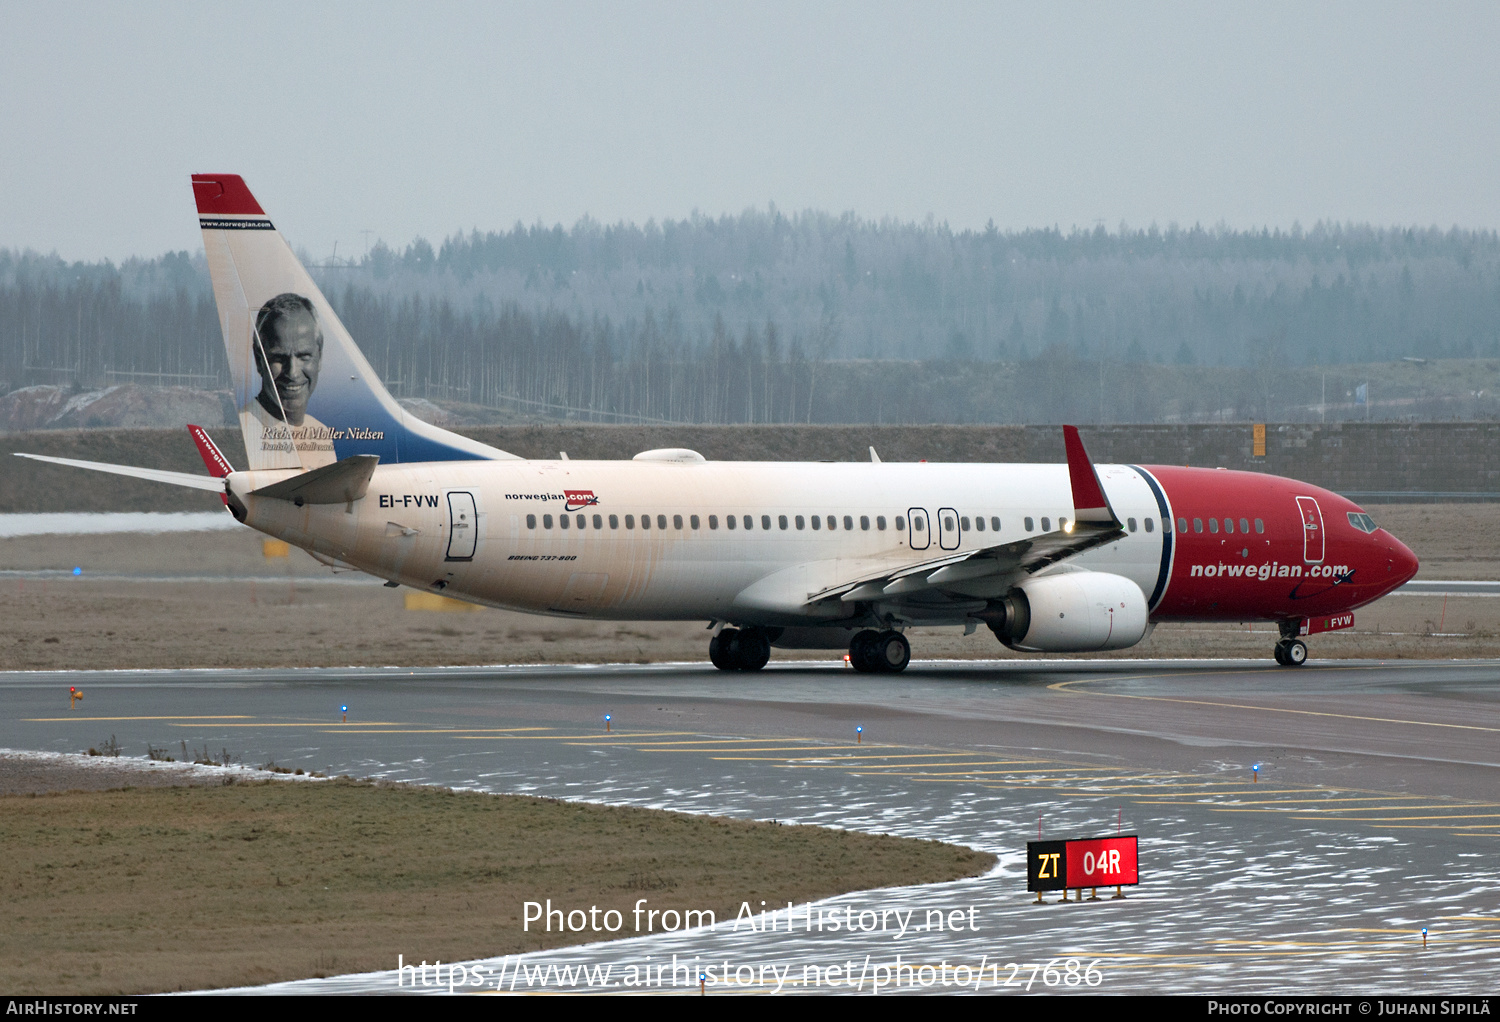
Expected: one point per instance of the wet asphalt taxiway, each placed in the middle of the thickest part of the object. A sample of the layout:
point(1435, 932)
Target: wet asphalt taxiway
point(1374, 813)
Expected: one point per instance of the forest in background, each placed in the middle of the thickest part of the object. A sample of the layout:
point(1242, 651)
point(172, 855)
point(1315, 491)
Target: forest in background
point(767, 317)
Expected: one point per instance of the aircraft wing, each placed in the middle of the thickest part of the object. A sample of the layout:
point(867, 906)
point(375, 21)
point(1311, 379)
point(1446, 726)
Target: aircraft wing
point(1094, 524)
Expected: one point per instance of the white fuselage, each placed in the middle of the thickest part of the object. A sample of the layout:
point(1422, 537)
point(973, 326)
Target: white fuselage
point(410, 528)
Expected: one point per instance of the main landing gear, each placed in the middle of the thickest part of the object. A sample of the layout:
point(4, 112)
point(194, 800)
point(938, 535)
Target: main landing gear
point(879, 652)
point(740, 649)
point(1291, 651)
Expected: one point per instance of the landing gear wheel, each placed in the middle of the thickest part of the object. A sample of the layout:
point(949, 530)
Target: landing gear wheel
point(723, 649)
point(1291, 652)
point(754, 650)
point(862, 651)
point(892, 652)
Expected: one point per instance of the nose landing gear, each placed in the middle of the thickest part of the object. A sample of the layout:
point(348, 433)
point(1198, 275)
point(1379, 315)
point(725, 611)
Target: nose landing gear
point(1291, 651)
point(879, 652)
point(740, 649)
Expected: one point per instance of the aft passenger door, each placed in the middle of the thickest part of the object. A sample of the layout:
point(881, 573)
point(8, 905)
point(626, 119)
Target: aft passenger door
point(918, 536)
point(463, 527)
point(1312, 530)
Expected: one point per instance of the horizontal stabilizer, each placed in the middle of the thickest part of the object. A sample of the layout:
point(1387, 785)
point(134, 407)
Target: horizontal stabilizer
point(155, 475)
point(340, 483)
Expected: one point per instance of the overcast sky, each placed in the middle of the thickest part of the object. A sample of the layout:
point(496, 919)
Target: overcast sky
point(423, 119)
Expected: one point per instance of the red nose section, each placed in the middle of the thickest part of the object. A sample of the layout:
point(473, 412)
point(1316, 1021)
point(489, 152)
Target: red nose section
point(1404, 563)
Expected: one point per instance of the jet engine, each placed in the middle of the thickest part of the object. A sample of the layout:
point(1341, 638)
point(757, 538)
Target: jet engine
point(1073, 612)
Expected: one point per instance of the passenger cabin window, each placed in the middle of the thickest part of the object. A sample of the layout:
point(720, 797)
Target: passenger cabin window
point(645, 521)
point(1030, 525)
point(1245, 526)
point(713, 521)
point(1046, 524)
point(676, 522)
point(614, 521)
point(1213, 526)
point(801, 522)
point(546, 521)
point(994, 523)
point(531, 521)
point(963, 524)
point(562, 520)
point(1229, 526)
point(948, 523)
point(817, 522)
point(695, 522)
point(849, 523)
point(661, 522)
point(864, 523)
point(765, 522)
point(630, 521)
point(1147, 524)
point(833, 522)
point(979, 523)
point(1197, 525)
point(880, 522)
point(1130, 524)
point(1260, 526)
point(919, 524)
point(780, 520)
point(900, 524)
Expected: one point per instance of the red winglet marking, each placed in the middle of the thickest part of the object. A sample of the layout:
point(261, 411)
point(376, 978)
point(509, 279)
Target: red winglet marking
point(224, 195)
point(1088, 495)
point(218, 466)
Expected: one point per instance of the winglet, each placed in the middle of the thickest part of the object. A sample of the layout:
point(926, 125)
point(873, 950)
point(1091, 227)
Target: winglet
point(213, 459)
point(1089, 502)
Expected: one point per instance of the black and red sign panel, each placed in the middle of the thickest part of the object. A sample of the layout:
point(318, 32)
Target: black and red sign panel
point(1093, 862)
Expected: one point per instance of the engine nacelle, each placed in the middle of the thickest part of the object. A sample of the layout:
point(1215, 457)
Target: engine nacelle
point(1075, 612)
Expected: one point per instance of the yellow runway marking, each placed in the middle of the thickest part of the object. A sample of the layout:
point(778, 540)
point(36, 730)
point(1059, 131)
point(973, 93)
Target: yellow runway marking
point(1062, 686)
point(53, 720)
point(1272, 801)
point(613, 737)
point(1394, 819)
point(769, 748)
point(725, 741)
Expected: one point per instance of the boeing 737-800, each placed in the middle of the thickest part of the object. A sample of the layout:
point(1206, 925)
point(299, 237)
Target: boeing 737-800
point(1052, 558)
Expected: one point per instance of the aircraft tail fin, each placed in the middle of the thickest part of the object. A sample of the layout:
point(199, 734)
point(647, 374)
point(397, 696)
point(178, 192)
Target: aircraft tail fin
point(306, 395)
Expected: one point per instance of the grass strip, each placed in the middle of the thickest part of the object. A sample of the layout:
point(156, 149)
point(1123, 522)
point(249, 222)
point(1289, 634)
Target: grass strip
point(138, 890)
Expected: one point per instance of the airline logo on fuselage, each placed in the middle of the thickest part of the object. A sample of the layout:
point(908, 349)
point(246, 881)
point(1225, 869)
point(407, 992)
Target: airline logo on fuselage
point(1263, 572)
point(575, 500)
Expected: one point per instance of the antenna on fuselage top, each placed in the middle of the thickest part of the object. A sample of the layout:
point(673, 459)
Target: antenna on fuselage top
point(874, 457)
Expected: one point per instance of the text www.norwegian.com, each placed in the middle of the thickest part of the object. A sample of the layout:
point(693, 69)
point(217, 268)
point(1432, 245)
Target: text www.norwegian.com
point(858, 975)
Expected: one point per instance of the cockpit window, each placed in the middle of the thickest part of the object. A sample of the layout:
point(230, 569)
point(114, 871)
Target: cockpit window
point(1362, 522)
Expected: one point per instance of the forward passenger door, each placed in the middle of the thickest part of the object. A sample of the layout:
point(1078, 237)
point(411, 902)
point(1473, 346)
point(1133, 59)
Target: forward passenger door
point(918, 535)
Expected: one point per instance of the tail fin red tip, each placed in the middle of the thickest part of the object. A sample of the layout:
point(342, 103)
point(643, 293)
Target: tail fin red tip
point(224, 195)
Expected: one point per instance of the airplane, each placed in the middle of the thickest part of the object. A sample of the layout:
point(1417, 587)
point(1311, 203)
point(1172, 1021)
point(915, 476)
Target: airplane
point(1074, 557)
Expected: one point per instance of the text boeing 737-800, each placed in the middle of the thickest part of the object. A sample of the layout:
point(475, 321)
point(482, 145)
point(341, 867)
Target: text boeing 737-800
point(1054, 558)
